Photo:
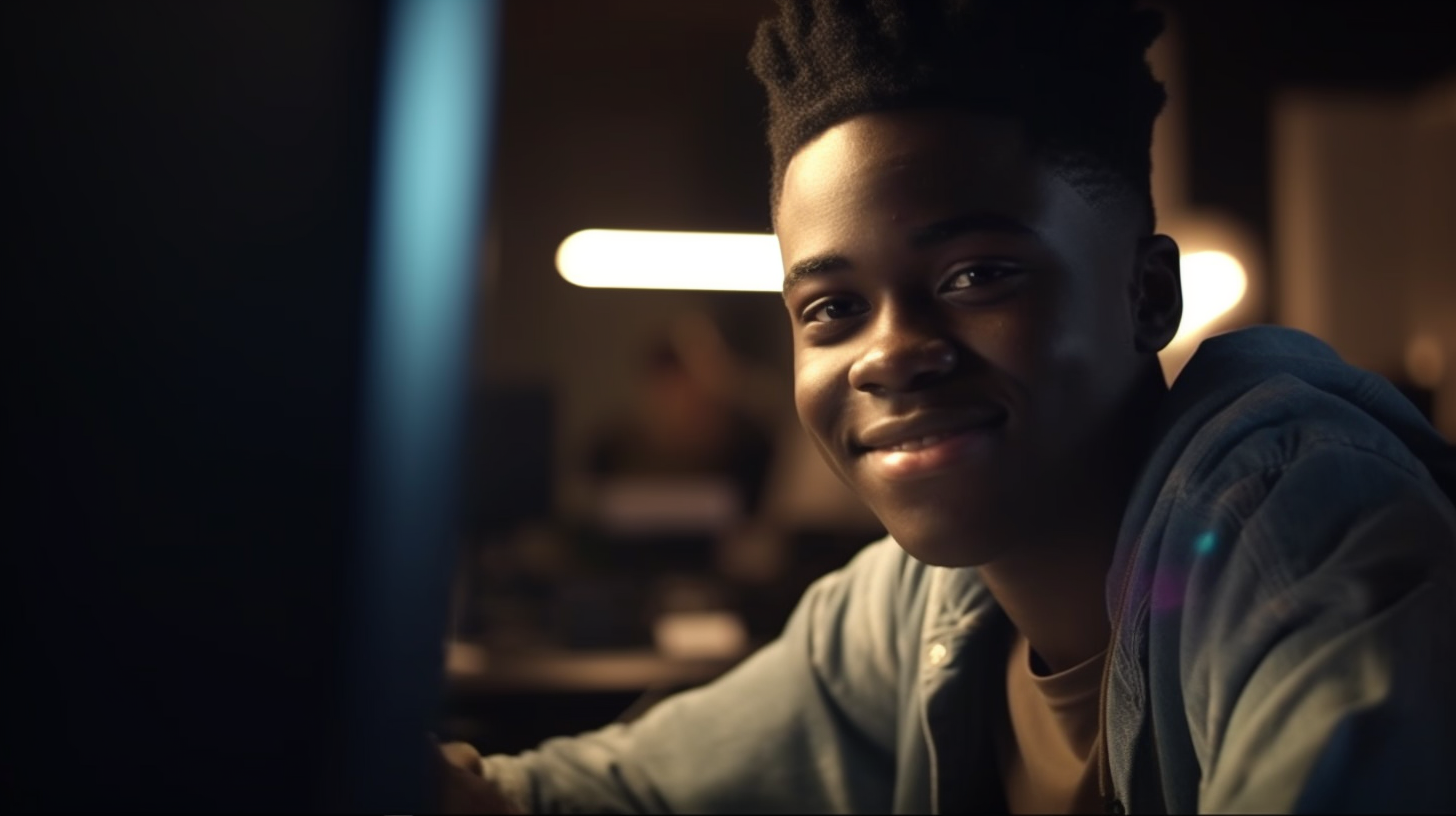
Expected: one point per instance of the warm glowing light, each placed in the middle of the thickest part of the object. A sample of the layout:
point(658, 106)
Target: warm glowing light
point(632, 259)
point(701, 635)
point(1213, 283)
point(1425, 361)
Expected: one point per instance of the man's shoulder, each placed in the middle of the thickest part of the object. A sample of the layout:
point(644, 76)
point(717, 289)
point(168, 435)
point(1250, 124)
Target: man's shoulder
point(886, 597)
point(1263, 399)
point(1276, 426)
point(881, 576)
point(1286, 470)
point(1287, 476)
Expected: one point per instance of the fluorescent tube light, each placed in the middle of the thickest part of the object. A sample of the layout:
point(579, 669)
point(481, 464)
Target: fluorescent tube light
point(1213, 282)
point(633, 259)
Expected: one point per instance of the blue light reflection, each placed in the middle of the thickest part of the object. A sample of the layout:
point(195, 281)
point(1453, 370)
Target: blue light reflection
point(435, 134)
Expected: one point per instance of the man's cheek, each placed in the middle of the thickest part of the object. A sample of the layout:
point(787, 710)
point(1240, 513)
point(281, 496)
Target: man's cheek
point(816, 395)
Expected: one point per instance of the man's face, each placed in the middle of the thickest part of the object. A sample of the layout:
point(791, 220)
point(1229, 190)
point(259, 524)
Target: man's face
point(963, 330)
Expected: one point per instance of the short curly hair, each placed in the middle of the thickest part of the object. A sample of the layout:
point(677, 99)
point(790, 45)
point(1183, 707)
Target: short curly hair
point(1074, 73)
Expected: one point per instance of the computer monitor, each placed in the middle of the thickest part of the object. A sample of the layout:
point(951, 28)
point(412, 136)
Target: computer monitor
point(240, 240)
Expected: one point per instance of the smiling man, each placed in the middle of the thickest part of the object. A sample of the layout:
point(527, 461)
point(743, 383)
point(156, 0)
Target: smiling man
point(1097, 593)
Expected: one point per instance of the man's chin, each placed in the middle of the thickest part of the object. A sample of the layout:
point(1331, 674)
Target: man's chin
point(946, 550)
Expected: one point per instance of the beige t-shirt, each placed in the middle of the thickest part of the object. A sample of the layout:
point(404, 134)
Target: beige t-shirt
point(1049, 740)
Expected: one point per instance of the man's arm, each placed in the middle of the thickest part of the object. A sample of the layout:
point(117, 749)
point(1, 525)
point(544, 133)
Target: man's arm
point(805, 725)
point(1329, 674)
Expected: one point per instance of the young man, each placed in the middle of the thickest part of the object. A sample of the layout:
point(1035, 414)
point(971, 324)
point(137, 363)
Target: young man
point(1098, 594)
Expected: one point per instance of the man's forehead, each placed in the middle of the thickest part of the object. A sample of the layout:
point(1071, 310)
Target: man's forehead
point(930, 152)
point(889, 136)
point(908, 169)
point(909, 173)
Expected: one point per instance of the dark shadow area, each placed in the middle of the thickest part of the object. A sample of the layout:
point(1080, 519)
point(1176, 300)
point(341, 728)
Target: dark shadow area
point(188, 193)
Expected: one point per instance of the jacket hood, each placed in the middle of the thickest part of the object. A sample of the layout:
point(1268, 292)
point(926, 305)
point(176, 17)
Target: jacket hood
point(1231, 365)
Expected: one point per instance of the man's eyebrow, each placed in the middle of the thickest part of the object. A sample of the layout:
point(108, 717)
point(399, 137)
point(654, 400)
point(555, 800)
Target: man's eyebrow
point(813, 267)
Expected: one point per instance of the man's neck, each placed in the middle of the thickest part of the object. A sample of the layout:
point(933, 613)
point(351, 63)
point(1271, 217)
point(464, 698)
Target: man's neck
point(1054, 595)
point(1052, 583)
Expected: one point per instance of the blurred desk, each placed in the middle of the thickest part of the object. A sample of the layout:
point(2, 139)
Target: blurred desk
point(471, 669)
point(510, 701)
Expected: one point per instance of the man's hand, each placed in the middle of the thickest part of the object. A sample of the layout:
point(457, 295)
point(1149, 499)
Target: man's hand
point(462, 788)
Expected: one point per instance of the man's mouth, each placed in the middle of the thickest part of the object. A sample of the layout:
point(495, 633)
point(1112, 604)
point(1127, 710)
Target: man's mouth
point(917, 444)
point(926, 444)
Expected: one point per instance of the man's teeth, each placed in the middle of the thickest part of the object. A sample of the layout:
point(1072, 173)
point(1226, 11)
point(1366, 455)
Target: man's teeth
point(917, 444)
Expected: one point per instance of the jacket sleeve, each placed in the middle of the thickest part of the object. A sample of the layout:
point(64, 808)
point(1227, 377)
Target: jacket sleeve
point(1328, 673)
point(807, 724)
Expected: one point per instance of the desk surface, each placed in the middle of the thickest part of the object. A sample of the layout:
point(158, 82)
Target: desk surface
point(469, 668)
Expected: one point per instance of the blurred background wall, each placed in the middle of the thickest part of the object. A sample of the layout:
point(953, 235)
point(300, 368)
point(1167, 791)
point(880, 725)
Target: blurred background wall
point(1364, 201)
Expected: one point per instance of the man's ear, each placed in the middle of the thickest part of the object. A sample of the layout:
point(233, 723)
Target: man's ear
point(1156, 293)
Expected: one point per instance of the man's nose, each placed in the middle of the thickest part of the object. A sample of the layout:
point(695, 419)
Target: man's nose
point(904, 353)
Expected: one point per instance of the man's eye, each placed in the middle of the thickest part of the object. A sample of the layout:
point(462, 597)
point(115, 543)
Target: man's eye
point(968, 277)
point(831, 309)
